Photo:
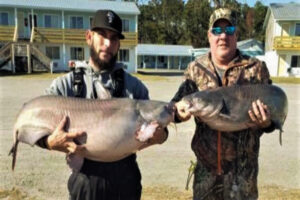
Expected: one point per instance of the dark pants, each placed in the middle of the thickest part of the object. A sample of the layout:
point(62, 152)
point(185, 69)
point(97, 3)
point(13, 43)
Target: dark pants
point(119, 180)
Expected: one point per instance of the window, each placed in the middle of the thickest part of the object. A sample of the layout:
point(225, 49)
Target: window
point(123, 55)
point(52, 52)
point(51, 21)
point(77, 53)
point(161, 59)
point(76, 22)
point(295, 61)
point(125, 25)
point(3, 18)
point(297, 30)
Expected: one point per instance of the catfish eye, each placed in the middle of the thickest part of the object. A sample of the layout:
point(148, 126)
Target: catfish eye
point(170, 108)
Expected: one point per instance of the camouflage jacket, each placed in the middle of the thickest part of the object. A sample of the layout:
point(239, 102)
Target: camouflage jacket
point(239, 150)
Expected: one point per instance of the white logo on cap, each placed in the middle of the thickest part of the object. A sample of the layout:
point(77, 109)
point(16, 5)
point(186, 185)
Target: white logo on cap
point(110, 17)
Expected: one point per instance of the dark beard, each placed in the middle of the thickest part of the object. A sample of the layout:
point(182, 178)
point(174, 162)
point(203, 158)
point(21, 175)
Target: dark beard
point(100, 64)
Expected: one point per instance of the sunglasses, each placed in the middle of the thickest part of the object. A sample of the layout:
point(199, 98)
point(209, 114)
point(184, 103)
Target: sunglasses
point(228, 30)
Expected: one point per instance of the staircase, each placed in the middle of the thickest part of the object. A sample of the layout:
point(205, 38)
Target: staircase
point(36, 60)
point(5, 54)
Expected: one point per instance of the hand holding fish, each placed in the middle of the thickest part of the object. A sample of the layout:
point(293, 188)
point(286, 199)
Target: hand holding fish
point(182, 112)
point(63, 141)
point(260, 114)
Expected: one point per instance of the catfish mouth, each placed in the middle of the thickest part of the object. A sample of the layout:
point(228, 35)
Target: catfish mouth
point(171, 109)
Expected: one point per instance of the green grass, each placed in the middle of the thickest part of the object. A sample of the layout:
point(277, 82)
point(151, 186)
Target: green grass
point(143, 77)
point(46, 75)
point(292, 80)
point(172, 193)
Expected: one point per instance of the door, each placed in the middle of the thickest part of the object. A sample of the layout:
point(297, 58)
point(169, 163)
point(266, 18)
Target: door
point(21, 25)
point(30, 22)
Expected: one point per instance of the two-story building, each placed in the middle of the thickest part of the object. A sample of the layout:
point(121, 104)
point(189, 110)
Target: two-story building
point(282, 44)
point(50, 33)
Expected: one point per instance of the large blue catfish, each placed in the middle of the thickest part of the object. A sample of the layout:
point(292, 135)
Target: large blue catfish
point(226, 108)
point(114, 128)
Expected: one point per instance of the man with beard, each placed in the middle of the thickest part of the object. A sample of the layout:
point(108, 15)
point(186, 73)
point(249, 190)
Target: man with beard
point(103, 78)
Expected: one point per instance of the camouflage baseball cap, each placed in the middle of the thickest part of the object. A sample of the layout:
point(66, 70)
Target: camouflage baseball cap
point(222, 13)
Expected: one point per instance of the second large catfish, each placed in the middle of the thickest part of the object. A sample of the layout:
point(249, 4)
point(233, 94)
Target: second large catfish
point(226, 108)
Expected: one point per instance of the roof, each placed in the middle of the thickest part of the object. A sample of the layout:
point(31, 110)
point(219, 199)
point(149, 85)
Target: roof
point(74, 5)
point(285, 11)
point(164, 50)
point(250, 47)
point(250, 44)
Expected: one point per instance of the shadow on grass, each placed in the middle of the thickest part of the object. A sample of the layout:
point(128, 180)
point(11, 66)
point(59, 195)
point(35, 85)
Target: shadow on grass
point(172, 193)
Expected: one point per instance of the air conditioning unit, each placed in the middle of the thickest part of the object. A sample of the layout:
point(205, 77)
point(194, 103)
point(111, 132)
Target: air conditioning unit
point(55, 64)
point(295, 70)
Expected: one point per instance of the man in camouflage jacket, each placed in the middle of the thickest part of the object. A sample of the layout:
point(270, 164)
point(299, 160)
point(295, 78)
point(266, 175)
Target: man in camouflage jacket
point(235, 177)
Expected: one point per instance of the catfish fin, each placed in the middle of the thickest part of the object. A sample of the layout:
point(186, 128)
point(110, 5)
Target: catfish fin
point(31, 134)
point(13, 151)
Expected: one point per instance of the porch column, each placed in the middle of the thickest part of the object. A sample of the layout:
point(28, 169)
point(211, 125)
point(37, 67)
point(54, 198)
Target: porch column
point(16, 26)
point(179, 63)
point(156, 60)
point(13, 63)
point(29, 70)
point(32, 26)
point(169, 58)
point(135, 59)
point(64, 45)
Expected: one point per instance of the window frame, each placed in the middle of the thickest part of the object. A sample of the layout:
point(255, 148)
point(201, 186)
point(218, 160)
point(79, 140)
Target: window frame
point(1, 19)
point(76, 53)
point(124, 57)
point(53, 55)
point(297, 61)
point(77, 16)
point(51, 18)
point(123, 27)
point(297, 24)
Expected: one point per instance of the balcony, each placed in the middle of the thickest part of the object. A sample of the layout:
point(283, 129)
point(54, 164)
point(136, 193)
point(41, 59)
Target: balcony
point(73, 36)
point(7, 33)
point(287, 43)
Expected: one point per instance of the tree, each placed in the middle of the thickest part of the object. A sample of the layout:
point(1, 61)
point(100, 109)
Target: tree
point(171, 21)
point(161, 22)
point(176, 22)
point(259, 16)
point(147, 23)
point(196, 19)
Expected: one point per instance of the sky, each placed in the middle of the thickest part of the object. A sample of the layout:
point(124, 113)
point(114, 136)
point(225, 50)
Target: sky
point(252, 2)
point(266, 2)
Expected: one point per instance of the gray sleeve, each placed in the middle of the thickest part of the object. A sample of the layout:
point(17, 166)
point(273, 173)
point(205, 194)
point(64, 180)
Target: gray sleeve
point(135, 88)
point(61, 86)
point(141, 91)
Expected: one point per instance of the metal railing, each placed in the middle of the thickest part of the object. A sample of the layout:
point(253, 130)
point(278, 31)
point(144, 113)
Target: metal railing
point(7, 33)
point(73, 36)
point(287, 43)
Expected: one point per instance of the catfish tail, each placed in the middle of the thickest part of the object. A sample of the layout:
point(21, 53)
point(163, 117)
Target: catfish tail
point(13, 151)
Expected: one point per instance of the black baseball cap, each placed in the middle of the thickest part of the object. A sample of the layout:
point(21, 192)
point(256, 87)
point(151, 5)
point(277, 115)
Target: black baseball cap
point(107, 19)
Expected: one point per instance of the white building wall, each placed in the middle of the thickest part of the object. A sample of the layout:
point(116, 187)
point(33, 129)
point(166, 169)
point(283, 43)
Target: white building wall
point(277, 29)
point(271, 59)
point(131, 65)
